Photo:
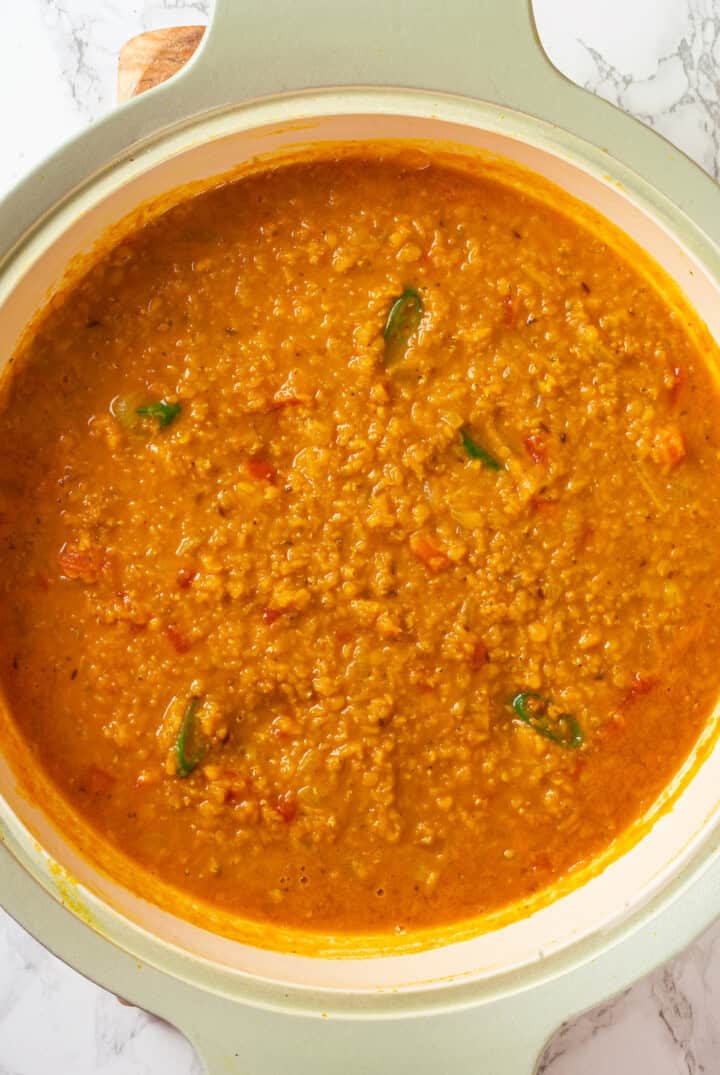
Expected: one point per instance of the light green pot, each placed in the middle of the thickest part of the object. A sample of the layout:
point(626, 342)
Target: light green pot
point(478, 77)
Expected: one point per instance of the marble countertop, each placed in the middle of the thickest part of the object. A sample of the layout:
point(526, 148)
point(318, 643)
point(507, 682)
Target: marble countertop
point(660, 60)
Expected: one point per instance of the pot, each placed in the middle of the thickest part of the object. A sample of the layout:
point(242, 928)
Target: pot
point(272, 74)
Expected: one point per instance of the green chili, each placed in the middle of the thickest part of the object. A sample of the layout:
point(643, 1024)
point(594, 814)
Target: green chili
point(476, 452)
point(563, 729)
point(166, 413)
point(186, 765)
point(404, 319)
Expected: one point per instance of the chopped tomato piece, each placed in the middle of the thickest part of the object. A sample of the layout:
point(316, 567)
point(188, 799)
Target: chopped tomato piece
point(270, 615)
point(77, 563)
point(542, 503)
point(277, 404)
point(536, 446)
point(479, 655)
point(431, 555)
point(668, 447)
point(679, 374)
point(236, 794)
point(260, 470)
point(185, 577)
point(179, 642)
point(643, 684)
point(541, 861)
point(286, 806)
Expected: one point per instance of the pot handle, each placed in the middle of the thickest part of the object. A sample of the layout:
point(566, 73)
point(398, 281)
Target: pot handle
point(487, 49)
point(216, 1060)
point(504, 1037)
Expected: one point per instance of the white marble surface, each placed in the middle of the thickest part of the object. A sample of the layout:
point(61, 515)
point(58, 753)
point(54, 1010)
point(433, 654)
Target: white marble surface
point(659, 59)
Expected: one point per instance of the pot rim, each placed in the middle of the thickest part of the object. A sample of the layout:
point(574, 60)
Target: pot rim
point(296, 108)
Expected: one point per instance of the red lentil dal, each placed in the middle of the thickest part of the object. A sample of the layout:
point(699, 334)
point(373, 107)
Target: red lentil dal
point(351, 615)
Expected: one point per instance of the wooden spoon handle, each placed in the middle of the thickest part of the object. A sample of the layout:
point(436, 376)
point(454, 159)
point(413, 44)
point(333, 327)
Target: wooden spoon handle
point(151, 58)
